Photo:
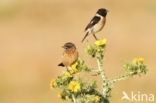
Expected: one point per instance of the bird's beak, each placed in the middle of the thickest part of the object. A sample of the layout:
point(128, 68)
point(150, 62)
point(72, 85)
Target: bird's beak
point(63, 46)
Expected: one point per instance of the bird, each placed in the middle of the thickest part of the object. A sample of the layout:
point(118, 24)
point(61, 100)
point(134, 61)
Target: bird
point(70, 55)
point(97, 23)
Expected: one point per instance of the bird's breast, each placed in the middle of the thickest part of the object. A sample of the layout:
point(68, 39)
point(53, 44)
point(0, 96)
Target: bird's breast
point(69, 57)
point(99, 26)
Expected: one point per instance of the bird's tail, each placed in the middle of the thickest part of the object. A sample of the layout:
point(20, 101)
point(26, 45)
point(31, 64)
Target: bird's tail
point(61, 64)
point(85, 37)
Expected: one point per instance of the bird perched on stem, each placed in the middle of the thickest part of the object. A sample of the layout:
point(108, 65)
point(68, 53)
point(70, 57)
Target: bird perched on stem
point(70, 55)
point(97, 23)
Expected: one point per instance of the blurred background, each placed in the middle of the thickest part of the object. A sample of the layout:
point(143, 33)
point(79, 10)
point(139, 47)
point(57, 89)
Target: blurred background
point(33, 31)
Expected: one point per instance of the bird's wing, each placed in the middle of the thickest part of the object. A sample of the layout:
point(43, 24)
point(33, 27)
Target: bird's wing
point(94, 21)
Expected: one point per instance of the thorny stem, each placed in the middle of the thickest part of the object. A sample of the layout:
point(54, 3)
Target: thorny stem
point(73, 97)
point(103, 76)
point(123, 77)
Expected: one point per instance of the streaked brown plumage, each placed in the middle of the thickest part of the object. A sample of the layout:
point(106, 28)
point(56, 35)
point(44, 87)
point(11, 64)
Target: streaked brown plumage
point(70, 55)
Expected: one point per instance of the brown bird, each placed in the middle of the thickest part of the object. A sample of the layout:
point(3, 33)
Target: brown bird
point(96, 24)
point(70, 55)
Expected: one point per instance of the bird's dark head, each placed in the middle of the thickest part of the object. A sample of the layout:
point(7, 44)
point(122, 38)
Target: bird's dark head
point(69, 45)
point(102, 12)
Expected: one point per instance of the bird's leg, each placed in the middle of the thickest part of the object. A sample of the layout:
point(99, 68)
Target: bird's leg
point(95, 37)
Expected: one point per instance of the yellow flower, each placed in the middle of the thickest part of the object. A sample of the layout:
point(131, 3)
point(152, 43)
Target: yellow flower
point(138, 60)
point(73, 68)
point(74, 65)
point(74, 86)
point(53, 84)
point(101, 42)
point(97, 98)
point(66, 75)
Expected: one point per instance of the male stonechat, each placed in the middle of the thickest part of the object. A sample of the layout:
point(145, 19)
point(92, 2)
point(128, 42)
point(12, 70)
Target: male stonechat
point(70, 55)
point(97, 23)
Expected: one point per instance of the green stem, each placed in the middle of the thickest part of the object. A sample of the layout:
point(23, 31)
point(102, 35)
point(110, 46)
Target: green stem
point(73, 97)
point(123, 77)
point(103, 76)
